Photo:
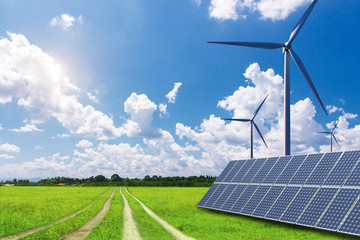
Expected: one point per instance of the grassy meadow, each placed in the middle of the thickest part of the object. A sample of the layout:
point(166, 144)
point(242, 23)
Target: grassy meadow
point(23, 208)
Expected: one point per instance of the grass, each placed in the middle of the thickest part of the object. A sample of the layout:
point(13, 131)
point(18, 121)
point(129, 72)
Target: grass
point(25, 208)
point(111, 227)
point(148, 227)
point(178, 207)
point(58, 230)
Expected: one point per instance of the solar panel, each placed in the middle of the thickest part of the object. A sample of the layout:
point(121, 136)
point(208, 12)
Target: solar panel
point(226, 171)
point(316, 190)
point(317, 206)
point(338, 209)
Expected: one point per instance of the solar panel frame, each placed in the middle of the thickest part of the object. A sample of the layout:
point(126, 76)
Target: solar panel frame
point(277, 169)
point(208, 194)
point(354, 177)
point(263, 172)
point(352, 228)
point(215, 196)
point(291, 169)
point(234, 196)
point(241, 202)
point(252, 203)
point(306, 168)
point(255, 168)
point(227, 169)
point(232, 173)
point(282, 202)
point(226, 193)
point(269, 199)
point(243, 171)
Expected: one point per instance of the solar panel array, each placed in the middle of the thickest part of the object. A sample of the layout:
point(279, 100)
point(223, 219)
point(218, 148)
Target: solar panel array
point(315, 190)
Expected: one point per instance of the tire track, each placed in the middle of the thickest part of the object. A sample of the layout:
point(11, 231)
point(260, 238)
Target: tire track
point(85, 230)
point(38, 229)
point(130, 230)
point(176, 233)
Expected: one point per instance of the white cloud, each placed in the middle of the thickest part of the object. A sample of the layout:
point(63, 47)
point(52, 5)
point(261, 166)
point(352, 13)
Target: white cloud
point(7, 147)
point(36, 80)
point(171, 96)
point(93, 96)
point(198, 2)
point(65, 21)
point(268, 9)
point(37, 147)
point(84, 144)
point(27, 128)
point(63, 135)
point(163, 111)
point(6, 156)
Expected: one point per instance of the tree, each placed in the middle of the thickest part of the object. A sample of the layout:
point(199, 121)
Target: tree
point(100, 178)
point(116, 178)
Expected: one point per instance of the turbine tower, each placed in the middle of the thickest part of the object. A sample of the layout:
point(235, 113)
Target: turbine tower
point(287, 51)
point(332, 135)
point(252, 123)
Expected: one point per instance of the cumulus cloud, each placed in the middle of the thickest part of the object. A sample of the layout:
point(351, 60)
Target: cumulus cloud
point(1, 128)
point(63, 135)
point(7, 147)
point(36, 81)
point(268, 9)
point(163, 111)
point(65, 21)
point(171, 96)
point(6, 156)
point(93, 96)
point(37, 147)
point(84, 144)
point(27, 128)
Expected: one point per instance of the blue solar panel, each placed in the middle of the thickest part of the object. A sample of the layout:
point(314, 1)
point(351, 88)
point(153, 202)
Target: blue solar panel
point(268, 201)
point(354, 179)
point(240, 175)
point(343, 168)
point(277, 169)
point(253, 170)
point(298, 204)
point(208, 194)
point(233, 197)
point(215, 196)
point(230, 188)
point(338, 209)
point(265, 169)
point(352, 221)
point(238, 165)
point(290, 170)
point(282, 202)
point(255, 200)
point(226, 171)
point(240, 203)
point(322, 170)
point(317, 206)
point(306, 168)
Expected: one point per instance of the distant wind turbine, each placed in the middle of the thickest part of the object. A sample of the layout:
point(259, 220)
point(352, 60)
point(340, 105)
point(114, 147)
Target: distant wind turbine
point(252, 123)
point(332, 135)
point(287, 49)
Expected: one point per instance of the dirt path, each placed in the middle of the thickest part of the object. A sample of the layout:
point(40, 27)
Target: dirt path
point(130, 230)
point(35, 230)
point(85, 230)
point(176, 233)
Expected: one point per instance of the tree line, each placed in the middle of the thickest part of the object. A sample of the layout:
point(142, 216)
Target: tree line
point(116, 180)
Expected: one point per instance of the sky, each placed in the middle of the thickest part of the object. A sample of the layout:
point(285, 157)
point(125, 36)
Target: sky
point(132, 87)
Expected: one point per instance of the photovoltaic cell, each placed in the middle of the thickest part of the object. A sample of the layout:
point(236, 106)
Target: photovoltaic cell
point(238, 165)
point(306, 168)
point(343, 168)
point(215, 196)
point(268, 201)
point(240, 203)
point(253, 170)
point(282, 202)
point(229, 189)
point(277, 169)
point(226, 171)
point(233, 197)
point(338, 209)
point(290, 170)
point(265, 169)
point(208, 194)
point(255, 199)
point(298, 204)
point(324, 167)
point(352, 222)
point(354, 179)
point(317, 206)
point(241, 174)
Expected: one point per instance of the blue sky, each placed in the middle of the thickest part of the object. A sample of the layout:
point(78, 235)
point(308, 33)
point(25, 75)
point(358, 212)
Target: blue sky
point(132, 87)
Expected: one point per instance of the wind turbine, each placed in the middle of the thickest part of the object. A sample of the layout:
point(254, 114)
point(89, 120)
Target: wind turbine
point(332, 136)
point(252, 123)
point(287, 51)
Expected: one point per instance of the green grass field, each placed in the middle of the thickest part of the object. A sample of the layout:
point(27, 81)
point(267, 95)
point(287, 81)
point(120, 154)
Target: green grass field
point(23, 208)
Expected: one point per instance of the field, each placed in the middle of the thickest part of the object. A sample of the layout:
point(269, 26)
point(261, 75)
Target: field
point(54, 212)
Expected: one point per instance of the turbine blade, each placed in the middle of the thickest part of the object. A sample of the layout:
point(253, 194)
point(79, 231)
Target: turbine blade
point(302, 68)
point(239, 120)
point(336, 123)
point(258, 109)
point(265, 45)
point(301, 22)
point(335, 139)
point(257, 129)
